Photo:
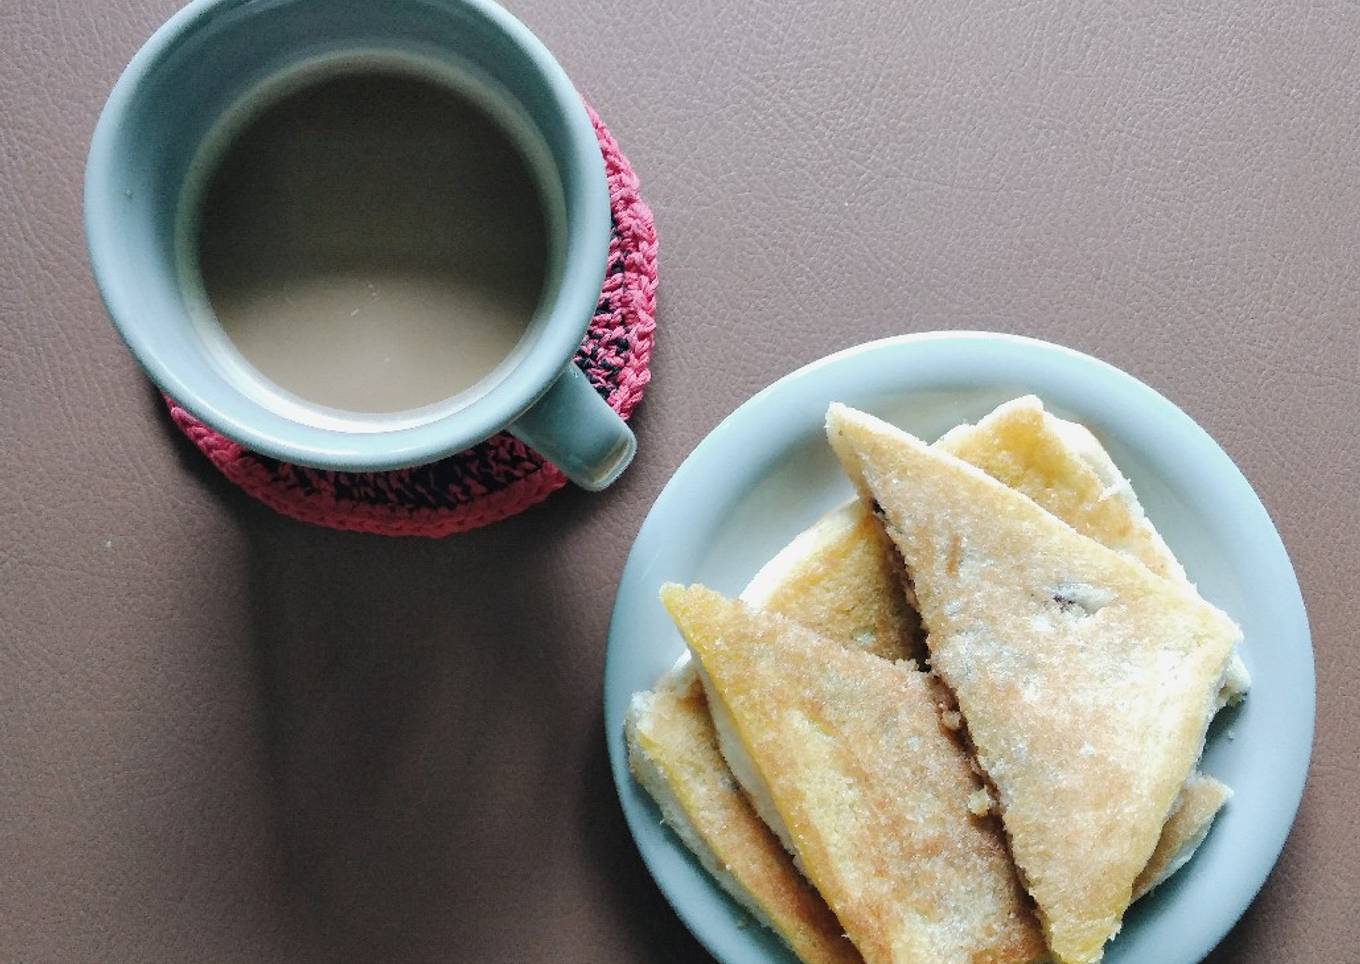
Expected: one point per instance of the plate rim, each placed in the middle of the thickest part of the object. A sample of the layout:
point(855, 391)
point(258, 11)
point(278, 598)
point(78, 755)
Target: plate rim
point(640, 557)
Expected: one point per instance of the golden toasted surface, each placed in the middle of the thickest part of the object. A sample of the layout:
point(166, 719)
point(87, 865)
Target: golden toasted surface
point(1200, 800)
point(872, 789)
point(673, 751)
point(1062, 467)
point(842, 577)
point(1065, 469)
point(842, 580)
point(1085, 681)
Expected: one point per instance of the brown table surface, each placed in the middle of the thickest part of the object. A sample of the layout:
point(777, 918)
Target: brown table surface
point(225, 736)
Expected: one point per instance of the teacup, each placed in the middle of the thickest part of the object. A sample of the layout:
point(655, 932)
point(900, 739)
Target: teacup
point(148, 148)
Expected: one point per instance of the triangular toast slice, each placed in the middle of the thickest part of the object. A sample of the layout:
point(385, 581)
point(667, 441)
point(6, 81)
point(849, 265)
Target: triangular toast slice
point(841, 577)
point(1085, 681)
point(673, 752)
point(1064, 468)
point(867, 787)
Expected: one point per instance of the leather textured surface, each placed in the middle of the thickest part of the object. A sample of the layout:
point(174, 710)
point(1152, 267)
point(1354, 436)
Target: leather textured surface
point(225, 736)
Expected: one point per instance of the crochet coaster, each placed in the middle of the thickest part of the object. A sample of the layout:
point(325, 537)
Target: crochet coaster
point(501, 476)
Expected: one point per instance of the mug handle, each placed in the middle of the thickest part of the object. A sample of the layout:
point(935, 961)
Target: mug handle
point(575, 429)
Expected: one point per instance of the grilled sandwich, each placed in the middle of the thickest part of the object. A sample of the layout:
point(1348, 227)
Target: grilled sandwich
point(852, 767)
point(1061, 466)
point(840, 577)
point(673, 752)
point(1085, 681)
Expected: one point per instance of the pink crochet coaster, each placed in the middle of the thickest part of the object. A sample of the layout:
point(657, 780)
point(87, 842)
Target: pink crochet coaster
point(501, 476)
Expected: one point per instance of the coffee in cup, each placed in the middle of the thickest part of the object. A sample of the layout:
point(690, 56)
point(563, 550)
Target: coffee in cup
point(358, 236)
point(369, 237)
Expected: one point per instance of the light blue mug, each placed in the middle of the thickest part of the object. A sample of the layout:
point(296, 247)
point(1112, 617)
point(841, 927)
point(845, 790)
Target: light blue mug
point(199, 68)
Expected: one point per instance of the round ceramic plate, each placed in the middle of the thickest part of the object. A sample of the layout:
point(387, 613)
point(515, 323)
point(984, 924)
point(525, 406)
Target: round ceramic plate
point(767, 472)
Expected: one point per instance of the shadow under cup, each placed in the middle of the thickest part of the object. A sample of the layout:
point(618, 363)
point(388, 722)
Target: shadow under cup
point(161, 124)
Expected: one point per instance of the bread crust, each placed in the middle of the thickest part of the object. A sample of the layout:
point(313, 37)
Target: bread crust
point(1086, 681)
point(673, 752)
point(1200, 800)
point(873, 790)
point(1064, 468)
point(842, 577)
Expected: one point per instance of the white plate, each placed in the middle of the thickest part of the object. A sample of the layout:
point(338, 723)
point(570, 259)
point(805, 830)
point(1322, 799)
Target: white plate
point(767, 472)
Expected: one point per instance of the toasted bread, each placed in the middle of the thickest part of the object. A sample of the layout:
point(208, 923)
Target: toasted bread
point(1200, 800)
point(1085, 681)
point(842, 577)
point(870, 790)
point(673, 753)
point(1061, 466)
